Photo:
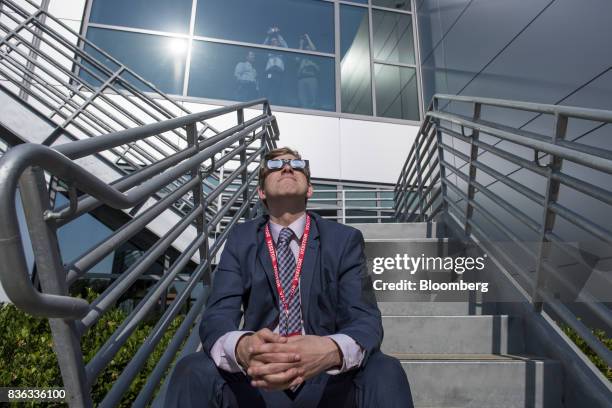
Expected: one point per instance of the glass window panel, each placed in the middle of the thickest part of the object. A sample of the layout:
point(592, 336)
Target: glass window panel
point(393, 39)
point(305, 24)
point(387, 198)
point(73, 243)
point(352, 195)
point(231, 72)
point(358, 1)
point(162, 15)
point(396, 4)
point(321, 191)
point(355, 66)
point(158, 59)
point(396, 92)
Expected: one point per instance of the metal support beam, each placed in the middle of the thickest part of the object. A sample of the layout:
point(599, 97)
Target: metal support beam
point(419, 175)
point(440, 158)
point(27, 82)
point(244, 175)
point(198, 193)
point(66, 342)
point(548, 216)
point(471, 190)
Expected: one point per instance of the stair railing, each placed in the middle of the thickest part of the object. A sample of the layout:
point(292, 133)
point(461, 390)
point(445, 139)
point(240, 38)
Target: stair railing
point(351, 205)
point(85, 91)
point(472, 178)
point(23, 170)
point(82, 89)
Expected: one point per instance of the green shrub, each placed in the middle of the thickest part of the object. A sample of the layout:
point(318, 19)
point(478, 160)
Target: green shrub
point(588, 351)
point(26, 354)
point(27, 358)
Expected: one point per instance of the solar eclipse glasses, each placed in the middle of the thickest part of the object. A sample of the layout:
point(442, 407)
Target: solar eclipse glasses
point(277, 164)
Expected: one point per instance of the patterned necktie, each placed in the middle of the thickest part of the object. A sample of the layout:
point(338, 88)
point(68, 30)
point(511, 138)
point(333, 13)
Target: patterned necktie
point(286, 269)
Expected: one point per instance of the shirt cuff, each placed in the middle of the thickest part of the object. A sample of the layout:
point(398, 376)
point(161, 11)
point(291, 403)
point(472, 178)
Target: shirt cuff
point(352, 353)
point(223, 352)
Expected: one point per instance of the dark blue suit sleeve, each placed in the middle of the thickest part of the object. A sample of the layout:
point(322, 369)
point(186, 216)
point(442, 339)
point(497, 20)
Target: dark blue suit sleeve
point(358, 317)
point(223, 308)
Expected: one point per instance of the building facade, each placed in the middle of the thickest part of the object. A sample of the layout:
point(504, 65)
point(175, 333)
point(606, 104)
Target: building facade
point(336, 72)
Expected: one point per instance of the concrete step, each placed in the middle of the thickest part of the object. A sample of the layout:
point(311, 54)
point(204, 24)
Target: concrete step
point(483, 381)
point(23, 121)
point(417, 260)
point(31, 126)
point(453, 334)
point(401, 230)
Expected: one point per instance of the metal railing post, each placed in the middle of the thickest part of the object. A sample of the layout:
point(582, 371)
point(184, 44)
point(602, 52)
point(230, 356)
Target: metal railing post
point(378, 205)
point(261, 208)
point(548, 216)
point(27, 80)
point(343, 206)
point(471, 189)
point(50, 269)
point(436, 125)
point(245, 174)
point(198, 192)
point(220, 198)
point(419, 174)
point(267, 141)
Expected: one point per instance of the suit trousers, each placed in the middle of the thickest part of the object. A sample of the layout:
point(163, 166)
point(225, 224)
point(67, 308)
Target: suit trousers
point(197, 382)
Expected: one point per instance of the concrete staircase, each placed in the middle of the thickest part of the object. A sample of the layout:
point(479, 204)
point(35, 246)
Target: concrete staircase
point(458, 352)
point(21, 122)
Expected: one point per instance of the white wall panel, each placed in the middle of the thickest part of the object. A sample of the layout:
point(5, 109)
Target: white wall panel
point(373, 151)
point(338, 148)
point(67, 9)
point(316, 138)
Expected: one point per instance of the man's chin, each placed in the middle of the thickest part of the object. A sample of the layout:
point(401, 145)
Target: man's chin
point(288, 195)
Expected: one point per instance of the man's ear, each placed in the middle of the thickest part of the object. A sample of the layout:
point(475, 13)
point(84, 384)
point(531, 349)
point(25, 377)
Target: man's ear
point(261, 193)
point(309, 192)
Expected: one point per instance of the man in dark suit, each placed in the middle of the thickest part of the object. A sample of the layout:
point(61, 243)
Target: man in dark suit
point(312, 329)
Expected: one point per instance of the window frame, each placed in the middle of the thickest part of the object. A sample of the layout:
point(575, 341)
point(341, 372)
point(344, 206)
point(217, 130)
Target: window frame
point(190, 36)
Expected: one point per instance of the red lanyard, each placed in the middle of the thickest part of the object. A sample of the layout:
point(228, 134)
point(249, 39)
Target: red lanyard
point(298, 266)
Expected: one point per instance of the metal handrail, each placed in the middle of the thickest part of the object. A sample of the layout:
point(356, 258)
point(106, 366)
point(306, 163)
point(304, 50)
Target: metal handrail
point(86, 92)
point(57, 39)
point(23, 168)
point(434, 181)
point(39, 54)
point(380, 209)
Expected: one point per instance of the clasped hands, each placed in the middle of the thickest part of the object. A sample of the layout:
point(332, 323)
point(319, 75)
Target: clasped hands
point(276, 363)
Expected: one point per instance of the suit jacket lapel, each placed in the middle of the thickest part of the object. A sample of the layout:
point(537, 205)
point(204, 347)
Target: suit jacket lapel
point(264, 259)
point(308, 268)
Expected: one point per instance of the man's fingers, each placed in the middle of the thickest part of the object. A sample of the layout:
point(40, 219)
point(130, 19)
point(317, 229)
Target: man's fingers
point(298, 380)
point(285, 377)
point(276, 357)
point(267, 386)
point(271, 337)
point(278, 381)
point(267, 369)
point(271, 348)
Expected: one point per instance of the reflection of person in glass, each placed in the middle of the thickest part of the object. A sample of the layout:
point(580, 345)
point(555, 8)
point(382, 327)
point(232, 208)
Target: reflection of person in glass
point(275, 67)
point(246, 78)
point(307, 75)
